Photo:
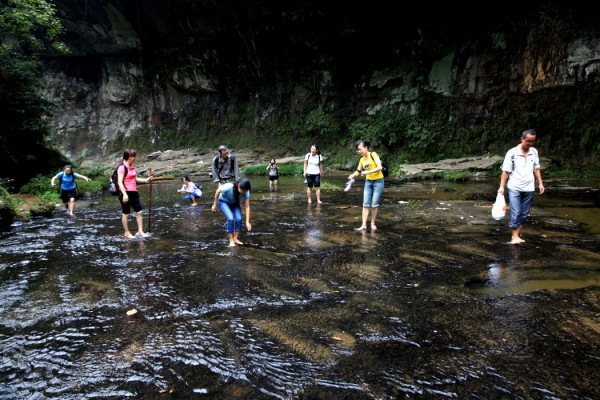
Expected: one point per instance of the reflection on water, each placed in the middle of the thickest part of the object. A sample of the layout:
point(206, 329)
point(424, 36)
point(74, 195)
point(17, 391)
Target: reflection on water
point(435, 304)
point(313, 226)
point(502, 280)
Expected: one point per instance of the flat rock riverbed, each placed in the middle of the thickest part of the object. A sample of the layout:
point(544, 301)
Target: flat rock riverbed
point(434, 304)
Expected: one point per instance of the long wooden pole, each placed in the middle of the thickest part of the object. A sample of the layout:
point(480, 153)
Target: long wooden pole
point(150, 201)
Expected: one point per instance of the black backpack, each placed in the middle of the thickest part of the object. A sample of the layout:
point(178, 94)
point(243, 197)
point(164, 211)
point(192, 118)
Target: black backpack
point(384, 167)
point(63, 174)
point(231, 160)
point(113, 183)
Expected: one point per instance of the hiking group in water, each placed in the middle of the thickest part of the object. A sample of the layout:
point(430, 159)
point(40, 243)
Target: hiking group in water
point(520, 169)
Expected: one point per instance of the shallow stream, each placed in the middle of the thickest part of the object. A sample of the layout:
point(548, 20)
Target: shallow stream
point(435, 304)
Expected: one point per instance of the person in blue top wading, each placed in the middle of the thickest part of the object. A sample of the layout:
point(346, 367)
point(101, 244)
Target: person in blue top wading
point(227, 197)
point(68, 188)
point(521, 167)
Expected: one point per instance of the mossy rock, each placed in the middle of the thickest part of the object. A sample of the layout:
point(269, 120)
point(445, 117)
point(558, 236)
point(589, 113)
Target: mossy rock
point(42, 208)
point(6, 216)
point(33, 206)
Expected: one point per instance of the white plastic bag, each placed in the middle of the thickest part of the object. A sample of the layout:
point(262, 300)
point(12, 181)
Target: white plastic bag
point(499, 208)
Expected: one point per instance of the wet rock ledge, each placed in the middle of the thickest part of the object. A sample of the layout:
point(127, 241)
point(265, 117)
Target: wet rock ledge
point(198, 162)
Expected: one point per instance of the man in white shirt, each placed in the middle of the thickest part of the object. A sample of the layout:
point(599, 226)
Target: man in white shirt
point(521, 167)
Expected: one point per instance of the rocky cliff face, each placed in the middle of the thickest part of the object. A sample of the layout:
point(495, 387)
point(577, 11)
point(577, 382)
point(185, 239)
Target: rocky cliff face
point(188, 65)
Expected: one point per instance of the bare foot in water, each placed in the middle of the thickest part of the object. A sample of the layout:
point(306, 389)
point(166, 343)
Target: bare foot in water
point(231, 244)
point(129, 236)
point(517, 241)
point(237, 241)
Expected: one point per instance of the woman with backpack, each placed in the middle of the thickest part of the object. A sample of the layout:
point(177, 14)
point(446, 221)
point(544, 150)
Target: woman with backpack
point(313, 169)
point(225, 167)
point(273, 169)
point(129, 196)
point(68, 187)
point(370, 167)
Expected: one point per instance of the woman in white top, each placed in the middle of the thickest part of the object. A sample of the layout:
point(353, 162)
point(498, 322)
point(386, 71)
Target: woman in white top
point(193, 192)
point(313, 169)
point(273, 169)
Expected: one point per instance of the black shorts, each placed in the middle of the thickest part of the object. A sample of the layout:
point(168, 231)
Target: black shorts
point(273, 177)
point(134, 202)
point(66, 195)
point(313, 180)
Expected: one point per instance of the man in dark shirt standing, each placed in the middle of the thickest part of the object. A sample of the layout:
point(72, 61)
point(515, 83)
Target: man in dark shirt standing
point(225, 167)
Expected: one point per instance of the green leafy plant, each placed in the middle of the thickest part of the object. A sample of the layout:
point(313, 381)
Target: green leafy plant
point(27, 28)
point(413, 203)
point(93, 186)
point(51, 197)
point(321, 123)
point(330, 186)
point(37, 186)
point(9, 202)
point(455, 176)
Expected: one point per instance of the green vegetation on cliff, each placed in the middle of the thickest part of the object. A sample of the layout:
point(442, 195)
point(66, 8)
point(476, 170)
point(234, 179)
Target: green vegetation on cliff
point(439, 127)
point(27, 28)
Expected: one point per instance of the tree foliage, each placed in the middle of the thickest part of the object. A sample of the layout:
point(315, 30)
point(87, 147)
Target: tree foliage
point(27, 29)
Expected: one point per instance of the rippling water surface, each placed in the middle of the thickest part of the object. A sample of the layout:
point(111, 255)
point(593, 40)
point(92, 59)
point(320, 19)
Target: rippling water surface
point(435, 304)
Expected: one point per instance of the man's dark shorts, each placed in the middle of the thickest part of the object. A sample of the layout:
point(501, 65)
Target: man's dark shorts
point(66, 195)
point(134, 202)
point(313, 180)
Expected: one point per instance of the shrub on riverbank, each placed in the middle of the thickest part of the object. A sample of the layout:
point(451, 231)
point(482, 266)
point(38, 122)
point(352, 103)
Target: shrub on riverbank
point(8, 208)
point(40, 185)
point(284, 169)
